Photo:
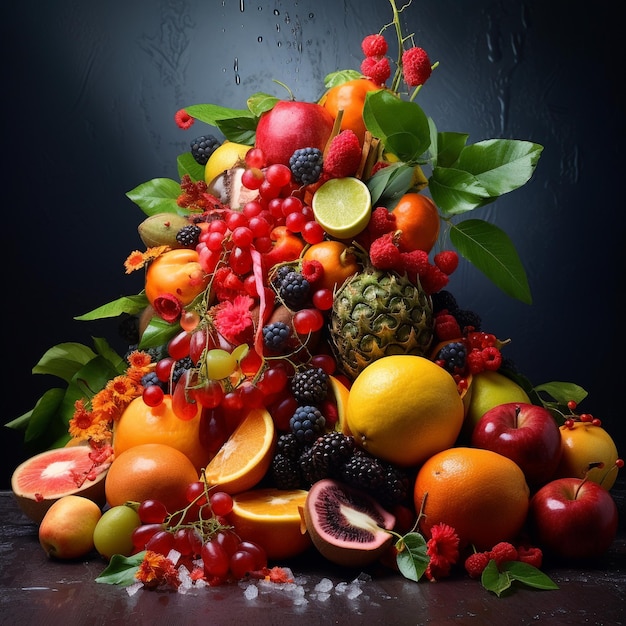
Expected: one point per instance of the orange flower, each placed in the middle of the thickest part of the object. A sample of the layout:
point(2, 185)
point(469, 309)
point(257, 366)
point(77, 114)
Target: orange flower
point(134, 261)
point(85, 424)
point(156, 569)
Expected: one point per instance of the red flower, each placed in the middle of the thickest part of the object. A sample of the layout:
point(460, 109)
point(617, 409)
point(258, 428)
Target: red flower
point(183, 119)
point(233, 319)
point(168, 307)
point(443, 550)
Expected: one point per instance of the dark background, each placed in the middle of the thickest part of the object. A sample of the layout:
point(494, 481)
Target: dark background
point(90, 94)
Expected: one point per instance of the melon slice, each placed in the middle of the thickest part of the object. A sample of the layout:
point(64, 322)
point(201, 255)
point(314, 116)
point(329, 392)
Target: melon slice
point(41, 480)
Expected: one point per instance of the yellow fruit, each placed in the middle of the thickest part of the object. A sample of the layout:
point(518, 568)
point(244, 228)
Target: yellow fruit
point(271, 518)
point(341, 393)
point(489, 389)
point(342, 207)
point(225, 156)
point(246, 456)
point(481, 494)
point(404, 409)
point(585, 444)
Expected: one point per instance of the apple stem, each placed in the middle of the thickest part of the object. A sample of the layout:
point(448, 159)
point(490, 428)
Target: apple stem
point(291, 96)
point(517, 412)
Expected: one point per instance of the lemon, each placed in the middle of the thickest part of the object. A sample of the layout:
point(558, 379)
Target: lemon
point(404, 409)
point(223, 158)
point(342, 207)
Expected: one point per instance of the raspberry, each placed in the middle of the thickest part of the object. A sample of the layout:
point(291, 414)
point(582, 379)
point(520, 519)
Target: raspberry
point(503, 552)
point(313, 271)
point(344, 155)
point(382, 221)
point(492, 358)
point(446, 327)
point(416, 66)
point(374, 46)
point(414, 263)
point(476, 563)
point(183, 119)
point(531, 555)
point(475, 361)
point(377, 70)
point(384, 254)
point(447, 261)
point(433, 279)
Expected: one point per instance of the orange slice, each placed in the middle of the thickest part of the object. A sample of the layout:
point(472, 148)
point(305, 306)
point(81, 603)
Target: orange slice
point(246, 456)
point(271, 518)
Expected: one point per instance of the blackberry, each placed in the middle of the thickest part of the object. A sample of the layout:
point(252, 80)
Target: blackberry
point(306, 165)
point(395, 488)
point(276, 335)
point(331, 450)
point(453, 355)
point(444, 300)
point(180, 367)
point(203, 147)
point(188, 235)
point(294, 289)
point(466, 318)
point(285, 472)
point(310, 386)
point(288, 446)
point(363, 471)
point(307, 423)
point(150, 379)
point(310, 471)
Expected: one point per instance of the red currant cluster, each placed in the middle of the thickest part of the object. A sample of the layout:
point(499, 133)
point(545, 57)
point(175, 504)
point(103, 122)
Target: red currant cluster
point(572, 418)
point(208, 546)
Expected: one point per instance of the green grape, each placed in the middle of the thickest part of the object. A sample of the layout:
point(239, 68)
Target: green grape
point(220, 363)
point(114, 530)
point(240, 352)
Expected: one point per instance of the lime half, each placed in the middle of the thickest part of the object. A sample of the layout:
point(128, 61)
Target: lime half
point(342, 207)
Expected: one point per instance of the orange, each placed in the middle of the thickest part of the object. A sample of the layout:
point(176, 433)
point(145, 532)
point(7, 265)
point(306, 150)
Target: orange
point(337, 259)
point(150, 471)
point(141, 423)
point(349, 97)
point(246, 456)
point(271, 518)
point(481, 494)
point(584, 444)
point(404, 409)
point(340, 393)
point(418, 219)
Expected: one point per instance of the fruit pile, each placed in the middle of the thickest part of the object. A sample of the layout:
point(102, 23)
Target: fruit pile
point(299, 376)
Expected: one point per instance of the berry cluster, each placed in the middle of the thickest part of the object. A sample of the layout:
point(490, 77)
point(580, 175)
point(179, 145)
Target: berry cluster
point(502, 552)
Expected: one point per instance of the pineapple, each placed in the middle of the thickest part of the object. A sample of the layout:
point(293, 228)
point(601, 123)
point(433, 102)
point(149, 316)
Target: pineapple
point(378, 313)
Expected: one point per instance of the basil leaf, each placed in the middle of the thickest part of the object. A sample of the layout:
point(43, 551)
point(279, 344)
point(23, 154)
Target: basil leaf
point(412, 559)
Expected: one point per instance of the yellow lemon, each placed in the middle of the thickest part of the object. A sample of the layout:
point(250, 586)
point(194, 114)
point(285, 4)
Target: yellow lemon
point(223, 158)
point(404, 409)
point(342, 207)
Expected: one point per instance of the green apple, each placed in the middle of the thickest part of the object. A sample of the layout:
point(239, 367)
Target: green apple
point(114, 530)
point(489, 389)
point(66, 530)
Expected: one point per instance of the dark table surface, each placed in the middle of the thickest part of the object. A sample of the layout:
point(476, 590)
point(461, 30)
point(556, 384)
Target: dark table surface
point(35, 590)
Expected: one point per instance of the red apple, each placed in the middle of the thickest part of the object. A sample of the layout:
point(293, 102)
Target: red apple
point(525, 433)
point(573, 518)
point(292, 125)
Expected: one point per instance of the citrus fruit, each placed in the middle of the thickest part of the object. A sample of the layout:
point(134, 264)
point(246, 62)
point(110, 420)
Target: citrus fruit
point(41, 480)
point(481, 494)
point(337, 259)
point(489, 389)
point(418, 219)
point(342, 207)
point(150, 471)
point(245, 457)
point(583, 444)
point(141, 423)
point(224, 157)
point(349, 97)
point(404, 409)
point(271, 518)
point(340, 393)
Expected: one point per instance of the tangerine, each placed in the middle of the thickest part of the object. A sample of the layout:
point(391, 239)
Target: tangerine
point(150, 471)
point(141, 423)
point(586, 444)
point(337, 259)
point(271, 518)
point(418, 219)
point(404, 408)
point(481, 494)
point(349, 97)
point(245, 457)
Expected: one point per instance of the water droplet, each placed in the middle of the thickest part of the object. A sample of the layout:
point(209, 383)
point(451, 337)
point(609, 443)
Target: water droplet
point(236, 65)
point(276, 12)
point(237, 79)
point(311, 16)
point(259, 39)
point(241, 7)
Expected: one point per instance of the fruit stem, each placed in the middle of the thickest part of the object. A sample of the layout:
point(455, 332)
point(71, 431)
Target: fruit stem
point(291, 96)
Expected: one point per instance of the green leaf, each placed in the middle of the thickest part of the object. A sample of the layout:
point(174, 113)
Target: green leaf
point(402, 126)
point(158, 195)
point(121, 570)
point(64, 360)
point(126, 304)
point(449, 146)
point(47, 419)
point(259, 103)
point(157, 333)
point(455, 191)
point(188, 165)
point(412, 559)
point(211, 114)
point(342, 76)
point(494, 580)
point(501, 165)
point(389, 184)
point(562, 392)
point(529, 575)
point(489, 249)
